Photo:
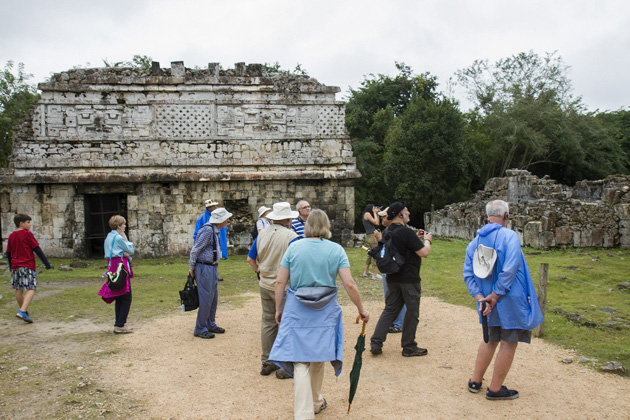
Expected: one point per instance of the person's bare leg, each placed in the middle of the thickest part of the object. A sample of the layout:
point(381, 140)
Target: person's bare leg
point(28, 297)
point(484, 357)
point(19, 297)
point(502, 365)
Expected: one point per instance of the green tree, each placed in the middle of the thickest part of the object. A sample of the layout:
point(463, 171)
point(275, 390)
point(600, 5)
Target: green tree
point(400, 127)
point(426, 163)
point(17, 98)
point(526, 117)
point(370, 112)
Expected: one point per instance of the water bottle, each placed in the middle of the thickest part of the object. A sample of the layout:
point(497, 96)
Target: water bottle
point(183, 309)
point(382, 254)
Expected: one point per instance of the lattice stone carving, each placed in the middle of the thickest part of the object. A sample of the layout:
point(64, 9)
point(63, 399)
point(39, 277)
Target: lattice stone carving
point(330, 121)
point(183, 121)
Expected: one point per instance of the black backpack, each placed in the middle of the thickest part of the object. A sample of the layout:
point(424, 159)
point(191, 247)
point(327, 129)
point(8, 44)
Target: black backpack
point(388, 259)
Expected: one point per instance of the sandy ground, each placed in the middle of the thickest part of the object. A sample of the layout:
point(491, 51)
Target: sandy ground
point(182, 377)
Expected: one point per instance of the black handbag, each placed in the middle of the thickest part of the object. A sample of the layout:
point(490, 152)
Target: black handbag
point(118, 279)
point(189, 296)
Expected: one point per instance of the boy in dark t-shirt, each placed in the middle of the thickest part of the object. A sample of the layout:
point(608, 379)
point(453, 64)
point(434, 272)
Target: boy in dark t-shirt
point(20, 248)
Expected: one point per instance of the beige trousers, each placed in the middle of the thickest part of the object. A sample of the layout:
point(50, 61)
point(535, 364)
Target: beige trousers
point(307, 383)
point(268, 324)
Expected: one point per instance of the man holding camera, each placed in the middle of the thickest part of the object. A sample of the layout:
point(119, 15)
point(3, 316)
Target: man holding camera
point(404, 286)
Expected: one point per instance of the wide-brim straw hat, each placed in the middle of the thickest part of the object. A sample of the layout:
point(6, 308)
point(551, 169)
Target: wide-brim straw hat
point(219, 215)
point(210, 202)
point(282, 211)
point(262, 210)
point(483, 261)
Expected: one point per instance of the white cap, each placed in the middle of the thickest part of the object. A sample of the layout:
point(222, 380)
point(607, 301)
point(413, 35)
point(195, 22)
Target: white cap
point(219, 215)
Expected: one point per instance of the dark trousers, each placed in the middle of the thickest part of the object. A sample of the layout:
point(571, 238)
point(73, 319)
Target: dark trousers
point(123, 304)
point(399, 294)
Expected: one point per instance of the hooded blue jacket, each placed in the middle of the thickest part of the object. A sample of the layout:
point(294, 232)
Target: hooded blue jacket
point(517, 307)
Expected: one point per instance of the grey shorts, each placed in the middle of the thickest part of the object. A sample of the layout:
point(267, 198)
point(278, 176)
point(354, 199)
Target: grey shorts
point(511, 336)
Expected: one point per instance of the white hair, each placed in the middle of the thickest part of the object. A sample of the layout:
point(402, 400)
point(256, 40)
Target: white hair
point(297, 206)
point(497, 208)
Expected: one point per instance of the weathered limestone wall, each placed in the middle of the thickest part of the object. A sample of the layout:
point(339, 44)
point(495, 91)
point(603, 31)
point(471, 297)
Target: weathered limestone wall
point(169, 139)
point(546, 214)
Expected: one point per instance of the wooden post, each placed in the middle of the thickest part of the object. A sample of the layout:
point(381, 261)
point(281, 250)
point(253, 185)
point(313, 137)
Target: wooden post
point(542, 295)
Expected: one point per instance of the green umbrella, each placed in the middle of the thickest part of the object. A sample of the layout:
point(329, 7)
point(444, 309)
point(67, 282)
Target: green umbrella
point(356, 366)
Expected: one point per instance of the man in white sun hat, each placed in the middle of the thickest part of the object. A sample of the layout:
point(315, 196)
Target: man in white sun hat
point(264, 257)
point(204, 259)
point(210, 205)
point(496, 274)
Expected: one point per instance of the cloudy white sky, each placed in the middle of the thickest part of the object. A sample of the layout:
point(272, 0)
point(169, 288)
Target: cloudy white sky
point(337, 41)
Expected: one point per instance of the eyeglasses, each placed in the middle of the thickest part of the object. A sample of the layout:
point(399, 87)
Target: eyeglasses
point(305, 207)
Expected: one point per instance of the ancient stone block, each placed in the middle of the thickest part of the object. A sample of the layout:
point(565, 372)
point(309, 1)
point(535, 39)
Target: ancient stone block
point(531, 234)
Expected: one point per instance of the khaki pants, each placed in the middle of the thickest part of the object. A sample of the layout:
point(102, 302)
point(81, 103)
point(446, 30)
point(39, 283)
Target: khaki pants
point(268, 325)
point(307, 383)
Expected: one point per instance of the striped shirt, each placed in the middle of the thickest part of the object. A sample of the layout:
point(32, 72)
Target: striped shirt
point(204, 248)
point(297, 225)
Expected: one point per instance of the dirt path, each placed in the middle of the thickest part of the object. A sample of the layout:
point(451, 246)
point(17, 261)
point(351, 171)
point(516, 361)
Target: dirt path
point(182, 377)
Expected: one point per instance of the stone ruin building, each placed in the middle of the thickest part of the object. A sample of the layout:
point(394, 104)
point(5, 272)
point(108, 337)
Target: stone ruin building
point(153, 144)
point(544, 213)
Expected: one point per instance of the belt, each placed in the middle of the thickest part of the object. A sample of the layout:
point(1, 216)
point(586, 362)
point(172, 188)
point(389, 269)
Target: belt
point(214, 263)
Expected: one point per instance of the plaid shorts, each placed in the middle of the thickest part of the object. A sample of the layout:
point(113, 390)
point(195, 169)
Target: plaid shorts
point(24, 278)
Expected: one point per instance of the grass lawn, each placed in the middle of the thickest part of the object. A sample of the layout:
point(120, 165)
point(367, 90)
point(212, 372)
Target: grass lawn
point(586, 309)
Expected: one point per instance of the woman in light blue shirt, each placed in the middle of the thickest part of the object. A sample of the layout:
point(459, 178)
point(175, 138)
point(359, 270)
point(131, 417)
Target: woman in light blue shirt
point(118, 250)
point(311, 331)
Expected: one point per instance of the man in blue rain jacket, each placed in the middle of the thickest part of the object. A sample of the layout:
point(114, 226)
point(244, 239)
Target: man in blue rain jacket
point(496, 273)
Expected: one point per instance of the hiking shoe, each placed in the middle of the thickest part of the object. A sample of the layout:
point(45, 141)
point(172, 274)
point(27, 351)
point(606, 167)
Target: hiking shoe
point(217, 330)
point(374, 350)
point(220, 279)
point(281, 374)
point(394, 330)
point(474, 387)
point(24, 316)
point(267, 368)
point(415, 352)
point(321, 407)
point(502, 394)
point(123, 330)
point(205, 334)
point(365, 275)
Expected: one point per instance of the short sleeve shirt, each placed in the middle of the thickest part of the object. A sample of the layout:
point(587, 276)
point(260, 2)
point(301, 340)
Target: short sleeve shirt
point(407, 243)
point(314, 262)
point(20, 245)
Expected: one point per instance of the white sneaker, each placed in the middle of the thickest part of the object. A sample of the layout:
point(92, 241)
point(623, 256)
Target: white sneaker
point(377, 277)
point(365, 275)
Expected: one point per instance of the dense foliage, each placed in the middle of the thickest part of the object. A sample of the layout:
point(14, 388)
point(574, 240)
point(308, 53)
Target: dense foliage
point(17, 98)
point(412, 143)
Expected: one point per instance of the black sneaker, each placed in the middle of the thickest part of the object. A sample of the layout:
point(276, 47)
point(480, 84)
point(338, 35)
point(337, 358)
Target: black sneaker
point(474, 387)
point(415, 352)
point(374, 350)
point(502, 394)
point(267, 368)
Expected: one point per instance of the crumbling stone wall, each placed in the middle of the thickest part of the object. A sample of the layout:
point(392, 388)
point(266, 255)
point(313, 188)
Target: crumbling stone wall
point(546, 214)
point(171, 138)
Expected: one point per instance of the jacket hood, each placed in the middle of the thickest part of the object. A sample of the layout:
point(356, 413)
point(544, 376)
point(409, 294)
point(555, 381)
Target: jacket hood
point(488, 229)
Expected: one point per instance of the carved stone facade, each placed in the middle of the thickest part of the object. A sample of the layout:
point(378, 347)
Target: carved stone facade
point(546, 214)
point(167, 139)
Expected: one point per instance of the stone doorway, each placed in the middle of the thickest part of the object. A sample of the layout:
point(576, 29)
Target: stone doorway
point(99, 208)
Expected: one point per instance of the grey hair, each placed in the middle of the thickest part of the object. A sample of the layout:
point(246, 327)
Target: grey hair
point(297, 206)
point(497, 208)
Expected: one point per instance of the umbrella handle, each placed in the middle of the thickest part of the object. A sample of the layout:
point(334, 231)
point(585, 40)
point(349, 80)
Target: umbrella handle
point(357, 321)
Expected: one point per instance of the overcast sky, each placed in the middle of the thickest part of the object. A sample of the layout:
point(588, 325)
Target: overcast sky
point(337, 41)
